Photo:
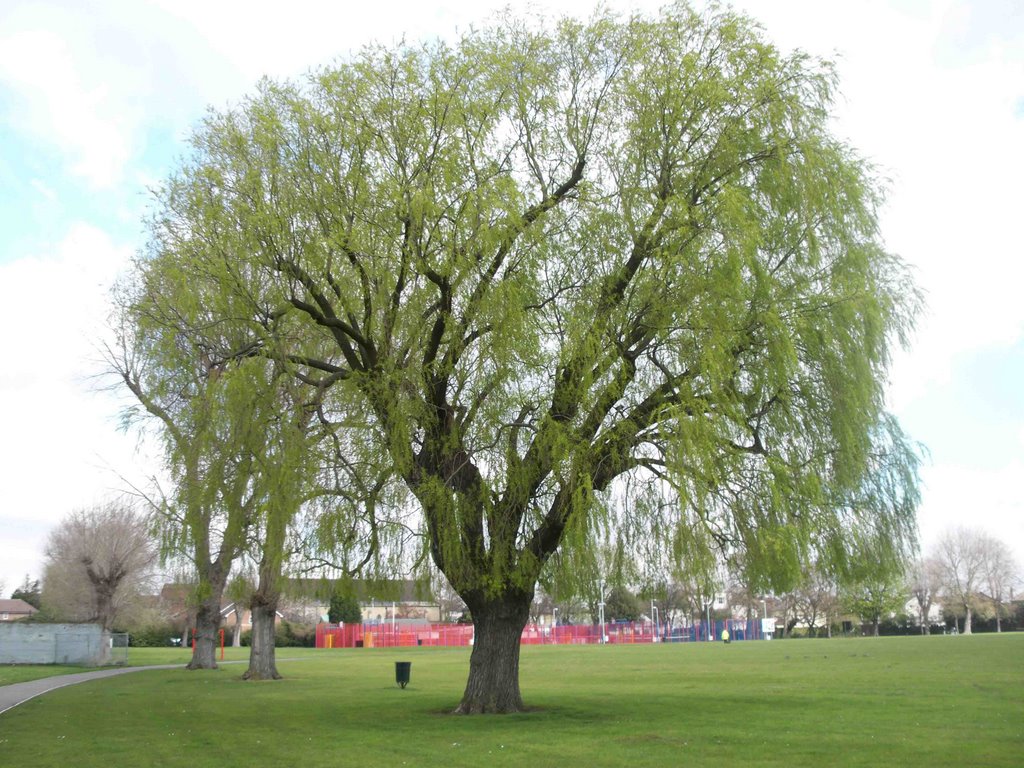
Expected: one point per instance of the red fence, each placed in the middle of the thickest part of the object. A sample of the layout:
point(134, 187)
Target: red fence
point(387, 635)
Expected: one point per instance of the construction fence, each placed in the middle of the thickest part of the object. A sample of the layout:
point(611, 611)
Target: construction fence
point(396, 635)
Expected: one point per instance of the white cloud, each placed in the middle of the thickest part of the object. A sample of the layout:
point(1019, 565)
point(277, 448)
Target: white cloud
point(988, 499)
point(48, 194)
point(52, 102)
point(60, 448)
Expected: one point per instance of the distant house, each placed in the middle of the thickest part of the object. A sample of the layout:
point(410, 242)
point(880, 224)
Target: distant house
point(306, 601)
point(229, 615)
point(396, 599)
point(15, 610)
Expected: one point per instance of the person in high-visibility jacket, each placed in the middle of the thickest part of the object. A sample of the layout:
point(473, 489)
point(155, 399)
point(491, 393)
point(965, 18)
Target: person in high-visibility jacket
point(725, 635)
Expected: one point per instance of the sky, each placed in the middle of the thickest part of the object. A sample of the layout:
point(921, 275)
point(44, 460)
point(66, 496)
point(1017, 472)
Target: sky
point(97, 100)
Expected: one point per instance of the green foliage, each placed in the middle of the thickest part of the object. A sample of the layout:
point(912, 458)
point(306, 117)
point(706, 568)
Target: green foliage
point(344, 608)
point(286, 635)
point(562, 282)
point(875, 596)
point(154, 636)
point(622, 605)
point(30, 592)
point(45, 615)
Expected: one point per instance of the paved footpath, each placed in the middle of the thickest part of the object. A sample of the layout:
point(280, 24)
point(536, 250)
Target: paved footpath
point(18, 693)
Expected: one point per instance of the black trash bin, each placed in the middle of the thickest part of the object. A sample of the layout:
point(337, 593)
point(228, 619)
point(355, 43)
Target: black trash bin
point(402, 671)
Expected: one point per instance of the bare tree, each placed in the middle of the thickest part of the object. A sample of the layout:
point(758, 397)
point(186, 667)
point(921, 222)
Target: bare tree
point(961, 554)
point(924, 583)
point(999, 574)
point(787, 608)
point(695, 587)
point(98, 560)
point(816, 601)
point(672, 600)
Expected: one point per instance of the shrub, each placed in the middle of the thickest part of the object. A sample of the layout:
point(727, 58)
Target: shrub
point(153, 636)
point(287, 635)
point(344, 608)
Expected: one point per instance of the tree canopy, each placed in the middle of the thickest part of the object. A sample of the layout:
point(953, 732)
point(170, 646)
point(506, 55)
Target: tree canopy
point(30, 592)
point(344, 608)
point(99, 561)
point(603, 274)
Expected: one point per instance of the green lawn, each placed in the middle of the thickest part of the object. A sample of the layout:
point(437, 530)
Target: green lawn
point(137, 657)
point(901, 701)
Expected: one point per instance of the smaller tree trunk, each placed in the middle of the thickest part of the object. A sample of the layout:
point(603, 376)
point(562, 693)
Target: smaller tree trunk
point(236, 638)
point(207, 623)
point(104, 655)
point(262, 660)
point(105, 607)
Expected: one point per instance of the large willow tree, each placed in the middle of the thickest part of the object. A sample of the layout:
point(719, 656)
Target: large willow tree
point(618, 268)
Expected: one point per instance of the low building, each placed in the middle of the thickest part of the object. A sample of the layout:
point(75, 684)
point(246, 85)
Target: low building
point(379, 599)
point(16, 610)
point(397, 599)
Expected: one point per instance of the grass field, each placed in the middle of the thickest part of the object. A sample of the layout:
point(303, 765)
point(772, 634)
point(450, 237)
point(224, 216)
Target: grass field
point(137, 657)
point(903, 701)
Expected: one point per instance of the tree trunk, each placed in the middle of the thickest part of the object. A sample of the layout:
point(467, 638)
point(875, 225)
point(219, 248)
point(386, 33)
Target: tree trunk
point(236, 638)
point(875, 633)
point(262, 661)
point(967, 621)
point(207, 623)
point(104, 607)
point(493, 685)
point(104, 655)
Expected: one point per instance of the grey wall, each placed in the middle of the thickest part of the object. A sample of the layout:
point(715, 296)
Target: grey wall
point(53, 644)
